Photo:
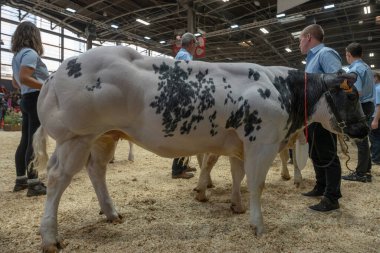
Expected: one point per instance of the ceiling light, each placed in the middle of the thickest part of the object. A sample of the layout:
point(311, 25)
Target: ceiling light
point(263, 30)
point(296, 35)
point(290, 19)
point(142, 22)
point(360, 22)
point(234, 26)
point(162, 42)
point(372, 66)
point(288, 50)
point(114, 26)
point(257, 3)
point(280, 15)
point(303, 62)
point(367, 9)
point(329, 6)
point(147, 38)
point(70, 10)
point(226, 0)
point(371, 54)
point(197, 34)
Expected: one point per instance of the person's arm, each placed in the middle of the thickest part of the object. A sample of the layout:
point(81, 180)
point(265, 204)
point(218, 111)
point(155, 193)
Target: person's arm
point(15, 84)
point(375, 121)
point(330, 61)
point(26, 78)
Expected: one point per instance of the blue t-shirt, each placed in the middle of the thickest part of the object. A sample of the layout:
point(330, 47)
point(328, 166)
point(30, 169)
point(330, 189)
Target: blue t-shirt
point(322, 59)
point(28, 57)
point(364, 81)
point(183, 54)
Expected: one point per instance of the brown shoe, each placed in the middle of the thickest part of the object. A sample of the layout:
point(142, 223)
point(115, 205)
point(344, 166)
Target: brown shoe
point(190, 169)
point(184, 175)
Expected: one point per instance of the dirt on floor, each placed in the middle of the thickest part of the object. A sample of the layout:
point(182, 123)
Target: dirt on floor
point(161, 215)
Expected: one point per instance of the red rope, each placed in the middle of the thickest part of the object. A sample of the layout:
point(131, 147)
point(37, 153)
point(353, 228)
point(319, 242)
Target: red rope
point(305, 103)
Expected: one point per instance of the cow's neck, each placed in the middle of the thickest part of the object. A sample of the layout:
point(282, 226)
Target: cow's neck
point(296, 86)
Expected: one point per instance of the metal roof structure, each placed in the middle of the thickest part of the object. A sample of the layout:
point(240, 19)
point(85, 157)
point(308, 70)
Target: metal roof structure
point(346, 22)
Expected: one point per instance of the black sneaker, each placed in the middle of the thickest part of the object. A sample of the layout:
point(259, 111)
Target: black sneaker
point(36, 189)
point(369, 177)
point(20, 185)
point(325, 205)
point(357, 177)
point(313, 193)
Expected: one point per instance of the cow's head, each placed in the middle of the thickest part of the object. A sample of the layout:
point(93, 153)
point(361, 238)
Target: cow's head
point(343, 100)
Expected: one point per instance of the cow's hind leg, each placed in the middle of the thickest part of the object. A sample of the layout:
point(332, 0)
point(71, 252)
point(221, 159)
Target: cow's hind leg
point(204, 180)
point(102, 152)
point(237, 171)
point(69, 157)
point(257, 162)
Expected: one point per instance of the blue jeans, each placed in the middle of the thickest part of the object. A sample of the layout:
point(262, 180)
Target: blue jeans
point(374, 138)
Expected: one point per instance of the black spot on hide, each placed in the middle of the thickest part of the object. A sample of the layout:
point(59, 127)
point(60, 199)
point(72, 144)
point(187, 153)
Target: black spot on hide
point(74, 68)
point(247, 117)
point(183, 102)
point(284, 93)
point(255, 74)
point(264, 94)
point(96, 86)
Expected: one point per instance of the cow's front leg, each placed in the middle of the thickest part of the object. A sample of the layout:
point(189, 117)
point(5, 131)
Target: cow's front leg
point(131, 156)
point(204, 180)
point(101, 153)
point(69, 157)
point(284, 156)
point(257, 161)
point(297, 171)
point(237, 172)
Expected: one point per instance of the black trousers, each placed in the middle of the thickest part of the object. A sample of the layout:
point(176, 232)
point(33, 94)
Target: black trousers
point(178, 166)
point(323, 153)
point(30, 123)
point(364, 155)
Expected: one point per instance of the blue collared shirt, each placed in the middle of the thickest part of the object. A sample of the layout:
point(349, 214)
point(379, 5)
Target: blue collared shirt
point(183, 54)
point(29, 58)
point(364, 82)
point(322, 59)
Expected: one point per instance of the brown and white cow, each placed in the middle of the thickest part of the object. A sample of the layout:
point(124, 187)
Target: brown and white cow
point(178, 108)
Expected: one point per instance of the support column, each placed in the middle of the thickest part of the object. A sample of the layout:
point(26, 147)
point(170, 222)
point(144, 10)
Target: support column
point(190, 16)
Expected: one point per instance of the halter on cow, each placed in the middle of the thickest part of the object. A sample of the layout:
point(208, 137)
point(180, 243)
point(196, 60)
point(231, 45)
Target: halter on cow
point(177, 108)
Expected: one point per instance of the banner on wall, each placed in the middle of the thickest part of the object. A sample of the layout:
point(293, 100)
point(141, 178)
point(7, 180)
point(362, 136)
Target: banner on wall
point(200, 50)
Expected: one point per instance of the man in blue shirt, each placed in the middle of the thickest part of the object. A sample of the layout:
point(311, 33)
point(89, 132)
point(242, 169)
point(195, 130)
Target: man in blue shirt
point(374, 135)
point(180, 168)
point(364, 85)
point(322, 148)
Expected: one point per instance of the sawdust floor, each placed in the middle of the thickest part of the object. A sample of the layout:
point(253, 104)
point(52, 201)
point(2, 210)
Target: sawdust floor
point(161, 214)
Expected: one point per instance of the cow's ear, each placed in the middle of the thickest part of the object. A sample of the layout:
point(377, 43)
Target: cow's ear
point(346, 81)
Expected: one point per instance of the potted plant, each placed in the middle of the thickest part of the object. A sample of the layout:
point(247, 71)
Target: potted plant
point(12, 120)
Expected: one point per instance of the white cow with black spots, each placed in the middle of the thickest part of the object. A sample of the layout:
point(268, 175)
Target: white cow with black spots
point(174, 109)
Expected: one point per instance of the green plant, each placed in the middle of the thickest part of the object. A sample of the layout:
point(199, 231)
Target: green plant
point(13, 118)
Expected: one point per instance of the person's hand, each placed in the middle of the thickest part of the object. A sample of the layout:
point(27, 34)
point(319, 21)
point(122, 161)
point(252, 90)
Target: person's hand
point(375, 124)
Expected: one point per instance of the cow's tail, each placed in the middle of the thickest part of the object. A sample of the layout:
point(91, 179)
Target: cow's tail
point(41, 157)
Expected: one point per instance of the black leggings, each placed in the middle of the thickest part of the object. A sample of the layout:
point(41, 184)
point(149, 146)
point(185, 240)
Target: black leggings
point(30, 123)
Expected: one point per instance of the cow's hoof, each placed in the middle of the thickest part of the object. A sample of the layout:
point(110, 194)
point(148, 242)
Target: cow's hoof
point(53, 248)
point(201, 197)
point(257, 230)
point(285, 177)
point(297, 184)
point(116, 220)
point(238, 209)
point(210, 185)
